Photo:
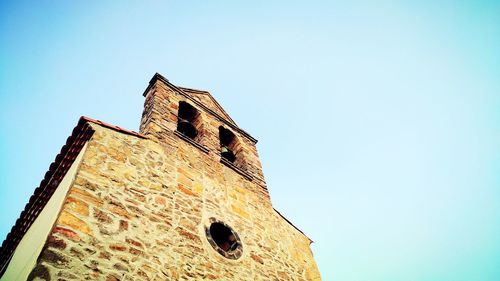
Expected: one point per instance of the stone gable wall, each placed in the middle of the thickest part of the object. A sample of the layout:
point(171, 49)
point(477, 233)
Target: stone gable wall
point(137, 211)
point(208, 102)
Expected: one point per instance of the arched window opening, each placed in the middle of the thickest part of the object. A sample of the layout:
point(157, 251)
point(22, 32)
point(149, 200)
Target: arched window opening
point(186, 120)
point(227, 144)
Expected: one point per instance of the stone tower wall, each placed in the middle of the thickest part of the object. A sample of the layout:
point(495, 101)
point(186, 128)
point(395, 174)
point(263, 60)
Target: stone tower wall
point(137, 211)
point(159, 121)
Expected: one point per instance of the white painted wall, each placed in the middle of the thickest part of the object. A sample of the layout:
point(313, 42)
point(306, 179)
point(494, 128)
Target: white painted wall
point(28, 250)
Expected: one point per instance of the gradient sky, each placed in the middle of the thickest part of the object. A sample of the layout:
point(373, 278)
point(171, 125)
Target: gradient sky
point(378, 122)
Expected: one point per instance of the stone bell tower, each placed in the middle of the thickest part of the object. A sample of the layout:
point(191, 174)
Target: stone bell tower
point(183, 199)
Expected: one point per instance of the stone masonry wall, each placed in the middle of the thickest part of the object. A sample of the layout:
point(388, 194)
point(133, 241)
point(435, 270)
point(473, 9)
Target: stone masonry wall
point(159, 121)
point(137, 211)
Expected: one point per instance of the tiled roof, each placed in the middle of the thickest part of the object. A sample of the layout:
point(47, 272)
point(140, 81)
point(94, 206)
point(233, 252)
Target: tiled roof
point(57, 170)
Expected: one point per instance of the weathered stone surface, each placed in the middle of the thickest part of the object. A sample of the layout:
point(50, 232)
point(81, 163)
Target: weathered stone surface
point(120, 266)
point(123, 225)
point(56, 243)
point(134, 242)
point(68, 233)
point(67, 219)
point(257, 258)
point(40, 272)
point(112, 277)
point(118, 210)
point(186, 190)
point(102, 217)
point(77, 253)
point(118, 247)
point(85, 196)
point(54, 258)
point(77, 206)
point(139, 208)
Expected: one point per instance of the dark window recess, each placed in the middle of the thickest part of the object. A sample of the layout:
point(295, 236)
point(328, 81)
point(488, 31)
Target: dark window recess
point(223, 239)
point(227, 142)
point(186, 119)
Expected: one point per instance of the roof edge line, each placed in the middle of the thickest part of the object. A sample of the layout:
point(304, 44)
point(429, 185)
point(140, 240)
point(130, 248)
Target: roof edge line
point(113, 127)
point(289, 222)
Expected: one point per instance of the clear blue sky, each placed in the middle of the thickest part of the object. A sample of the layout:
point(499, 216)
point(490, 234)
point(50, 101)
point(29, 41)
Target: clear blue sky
point(378, 122)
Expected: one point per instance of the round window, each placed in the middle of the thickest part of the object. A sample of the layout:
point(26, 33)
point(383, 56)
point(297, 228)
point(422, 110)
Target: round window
point(223, 239)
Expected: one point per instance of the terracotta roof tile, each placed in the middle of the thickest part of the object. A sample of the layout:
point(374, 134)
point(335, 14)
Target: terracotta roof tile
point(99, 122)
